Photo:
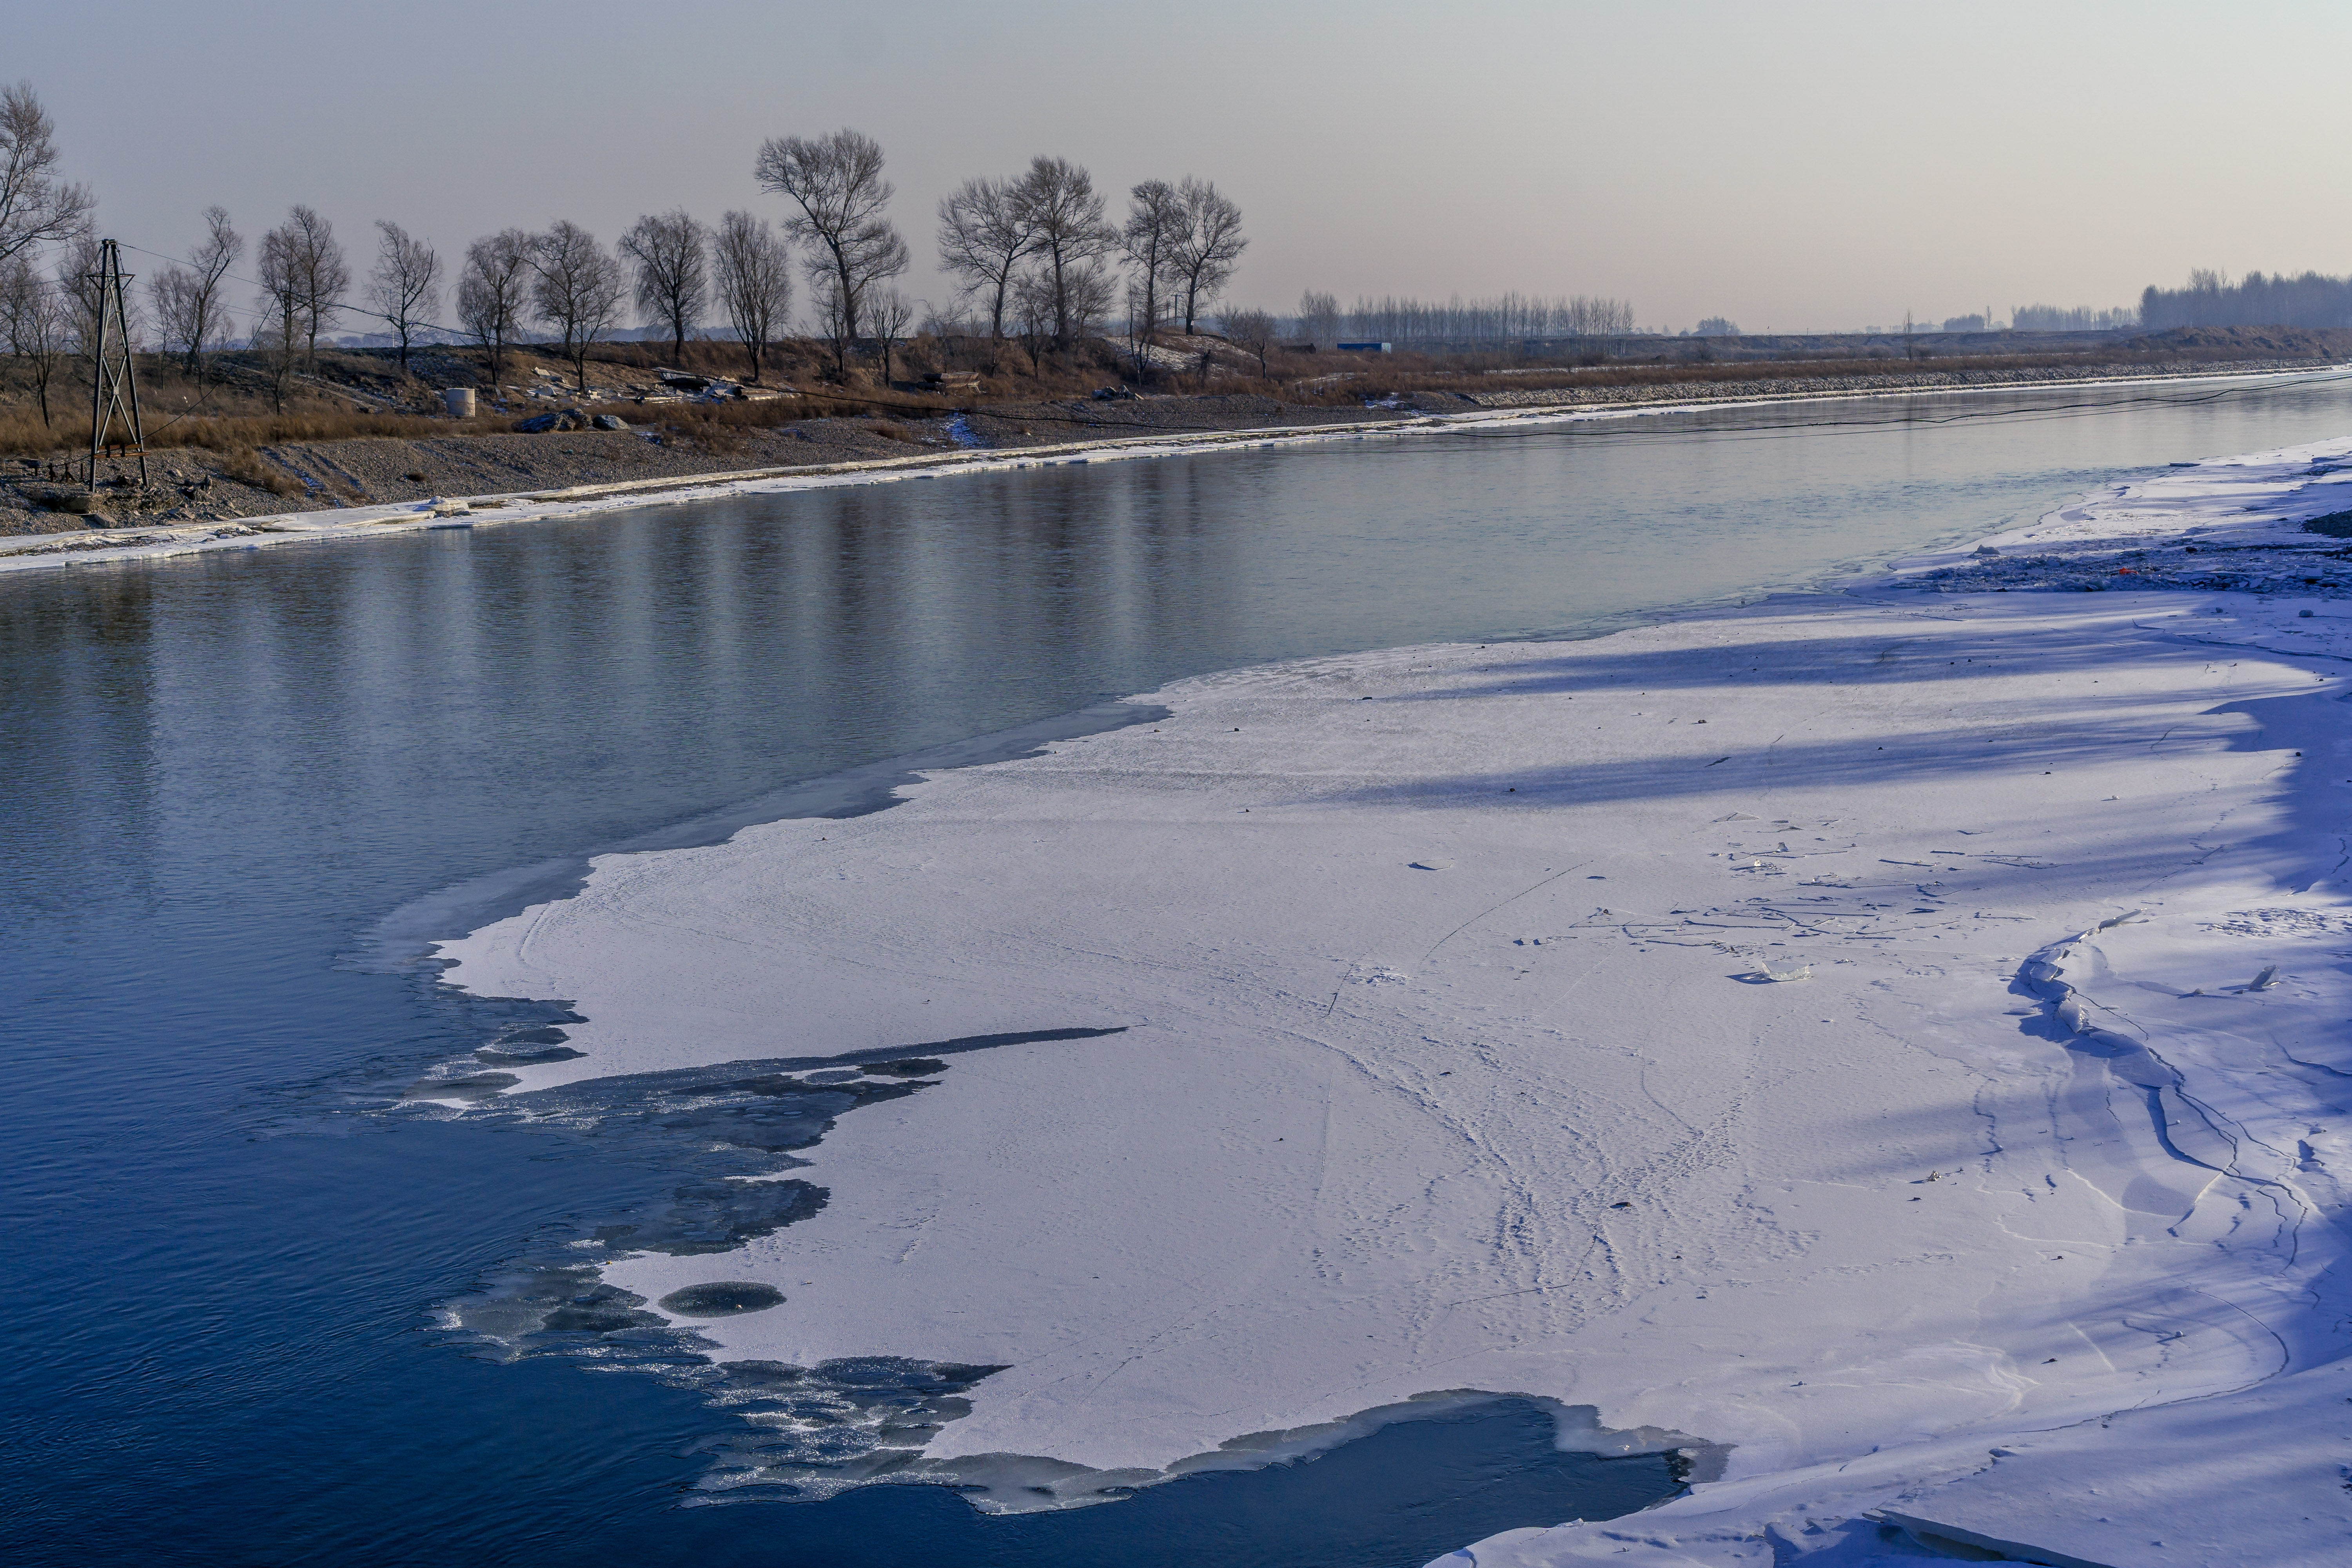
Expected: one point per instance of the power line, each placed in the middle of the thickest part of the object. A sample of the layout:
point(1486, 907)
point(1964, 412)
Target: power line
point(255, 314)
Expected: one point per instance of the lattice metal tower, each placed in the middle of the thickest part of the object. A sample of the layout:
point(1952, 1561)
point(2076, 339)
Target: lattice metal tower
point(114, 384)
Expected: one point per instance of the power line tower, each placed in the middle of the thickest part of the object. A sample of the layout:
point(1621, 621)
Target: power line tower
point(114, 384)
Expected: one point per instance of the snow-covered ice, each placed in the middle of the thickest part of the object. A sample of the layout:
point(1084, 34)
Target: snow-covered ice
point(1828, 1037)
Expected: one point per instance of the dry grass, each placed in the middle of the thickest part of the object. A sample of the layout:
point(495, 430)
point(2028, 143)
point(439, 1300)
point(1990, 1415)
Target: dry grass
point(23, 434)
point(247, 467)
point(231, 411)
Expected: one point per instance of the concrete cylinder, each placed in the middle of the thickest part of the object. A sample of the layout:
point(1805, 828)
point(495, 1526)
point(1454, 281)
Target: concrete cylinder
point(461, 400)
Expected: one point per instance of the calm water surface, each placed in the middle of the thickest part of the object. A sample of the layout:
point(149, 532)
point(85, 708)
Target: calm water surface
point(220, 773)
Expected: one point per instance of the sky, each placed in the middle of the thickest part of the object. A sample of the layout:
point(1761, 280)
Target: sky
point(1793, 167)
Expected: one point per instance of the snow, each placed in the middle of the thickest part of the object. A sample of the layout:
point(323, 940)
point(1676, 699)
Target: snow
point(158, 542)
point(1824, 1037)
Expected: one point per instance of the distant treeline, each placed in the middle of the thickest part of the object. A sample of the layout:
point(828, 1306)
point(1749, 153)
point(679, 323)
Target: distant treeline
point(1502, 318)
point(2062, 319)
point(2314, 299)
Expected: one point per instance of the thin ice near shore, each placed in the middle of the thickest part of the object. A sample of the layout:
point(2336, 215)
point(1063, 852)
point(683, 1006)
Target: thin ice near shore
point(1897, 1040)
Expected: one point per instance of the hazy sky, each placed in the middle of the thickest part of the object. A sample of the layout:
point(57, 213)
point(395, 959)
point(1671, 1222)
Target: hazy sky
point(1792, 166)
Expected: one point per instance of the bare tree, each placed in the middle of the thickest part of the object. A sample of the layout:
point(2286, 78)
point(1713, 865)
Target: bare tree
point(1032, 307)
point(405, 284)
point(672, 256)
point(1252, 332)
point(576, 289)
point(189, 311)
point(282, 293)
point(984, 233)
point(1065, 213)
point(35, 207)
point(77, 289)
point(1210, 244)
point(831, 311)
point(1087, 293)
point(493, 292)
point(221, 249)
point(320, 276)
point(1157, 220)
point(887, 311)
point(171, 287)
point(754, 274)
point(35, 322)
point(1318, 318)
point(837, 182)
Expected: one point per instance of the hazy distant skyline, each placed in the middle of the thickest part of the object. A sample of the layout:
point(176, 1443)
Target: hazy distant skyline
point(1794, 167)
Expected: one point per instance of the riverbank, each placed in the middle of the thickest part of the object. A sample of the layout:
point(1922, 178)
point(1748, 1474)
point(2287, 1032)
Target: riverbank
point(1114, 431)
point(98, 547)
point(190, 486)
point(1872, 1044)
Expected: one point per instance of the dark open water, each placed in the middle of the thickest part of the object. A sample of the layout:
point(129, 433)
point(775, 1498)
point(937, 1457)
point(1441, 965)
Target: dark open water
point(218, 774)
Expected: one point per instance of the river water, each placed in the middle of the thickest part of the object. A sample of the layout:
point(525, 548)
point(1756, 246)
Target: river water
point(227, 1246)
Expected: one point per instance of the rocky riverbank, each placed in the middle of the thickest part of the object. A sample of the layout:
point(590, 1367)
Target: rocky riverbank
point(196, 485)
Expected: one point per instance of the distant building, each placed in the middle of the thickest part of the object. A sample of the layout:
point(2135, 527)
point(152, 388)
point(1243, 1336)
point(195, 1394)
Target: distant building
point(1366, 348)
point(1964, 323)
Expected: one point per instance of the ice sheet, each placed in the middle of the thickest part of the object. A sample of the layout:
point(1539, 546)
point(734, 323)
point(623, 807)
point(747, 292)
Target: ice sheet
point(1826, 1030)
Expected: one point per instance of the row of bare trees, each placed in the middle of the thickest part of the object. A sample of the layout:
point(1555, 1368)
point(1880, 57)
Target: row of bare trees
point(1501, 317)
point(1037, 247)
point(1034, 251)
point(36, 208)
point(566, 281)
point(1037, 254)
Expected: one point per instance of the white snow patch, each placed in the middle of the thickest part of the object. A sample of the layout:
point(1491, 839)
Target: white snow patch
point(2017, 1223)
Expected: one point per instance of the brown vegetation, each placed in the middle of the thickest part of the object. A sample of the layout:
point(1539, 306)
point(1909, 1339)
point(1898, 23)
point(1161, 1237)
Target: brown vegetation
point(358, 432)
point(359, 393)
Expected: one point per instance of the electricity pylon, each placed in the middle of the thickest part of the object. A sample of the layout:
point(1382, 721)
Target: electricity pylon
point(114, 385)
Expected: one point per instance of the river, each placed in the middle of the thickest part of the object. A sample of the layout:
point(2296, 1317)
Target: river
point(223, 773)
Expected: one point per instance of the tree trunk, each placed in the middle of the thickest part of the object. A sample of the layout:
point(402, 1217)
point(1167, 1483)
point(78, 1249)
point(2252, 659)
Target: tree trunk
point(285, 366)
point(846, 327)
point(996, 319)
